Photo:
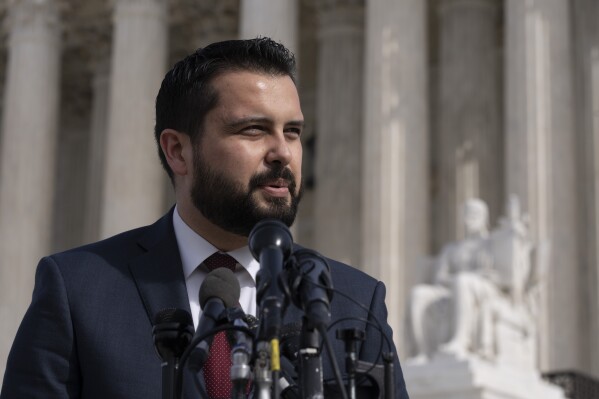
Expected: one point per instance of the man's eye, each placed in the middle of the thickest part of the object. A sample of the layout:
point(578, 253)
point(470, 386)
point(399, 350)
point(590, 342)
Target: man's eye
point(296, 131)
point(254, 129)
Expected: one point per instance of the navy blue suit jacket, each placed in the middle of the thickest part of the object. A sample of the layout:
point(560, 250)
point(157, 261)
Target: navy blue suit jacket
point(88, 331)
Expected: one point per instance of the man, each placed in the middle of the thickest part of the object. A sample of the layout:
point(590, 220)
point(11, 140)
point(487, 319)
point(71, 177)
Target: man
point(228, 125)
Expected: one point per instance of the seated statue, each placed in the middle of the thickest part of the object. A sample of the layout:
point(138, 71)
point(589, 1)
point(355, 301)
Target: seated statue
point(480, 301)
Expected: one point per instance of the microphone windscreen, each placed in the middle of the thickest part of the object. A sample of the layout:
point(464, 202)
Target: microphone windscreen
point(220, 283)
point(290, 340)
point(173, 315)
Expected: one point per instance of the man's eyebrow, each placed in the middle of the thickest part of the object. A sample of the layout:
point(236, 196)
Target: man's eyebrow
point(244, 121)
point(299, 123)
point(260, 119)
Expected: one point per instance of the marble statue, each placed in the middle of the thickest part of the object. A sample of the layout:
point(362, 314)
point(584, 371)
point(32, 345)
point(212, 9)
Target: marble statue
point(482, 299)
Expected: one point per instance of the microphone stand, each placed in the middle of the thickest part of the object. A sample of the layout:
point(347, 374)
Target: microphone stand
point(311, 377)
point(351, 336)
point(271, 299)
point(262, 376)
point(270, 243)
point(389, 378)
point(240, 359)
point(172, 333)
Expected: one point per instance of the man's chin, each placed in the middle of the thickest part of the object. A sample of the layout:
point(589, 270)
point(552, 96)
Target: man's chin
point(281, 211)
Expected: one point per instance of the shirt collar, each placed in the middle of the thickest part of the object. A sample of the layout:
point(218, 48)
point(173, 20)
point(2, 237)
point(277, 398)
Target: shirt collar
point(194, 249)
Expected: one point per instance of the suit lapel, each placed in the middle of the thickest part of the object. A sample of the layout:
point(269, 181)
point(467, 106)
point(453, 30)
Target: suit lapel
point(158, 273)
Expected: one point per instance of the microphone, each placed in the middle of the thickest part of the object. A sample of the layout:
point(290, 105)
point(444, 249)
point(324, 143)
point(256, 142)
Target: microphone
point(219, 291)
point(220, 286)
point(309, 274)
point(172, 332)
point(270, 243)
point(290, 340)
point(311, 289)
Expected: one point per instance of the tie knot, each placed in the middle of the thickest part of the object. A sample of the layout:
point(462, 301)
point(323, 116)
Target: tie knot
point(217, 260)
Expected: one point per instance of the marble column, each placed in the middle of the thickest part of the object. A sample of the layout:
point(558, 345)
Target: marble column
point(468, 127)
point(28, 154)
point(71, 164)
point(307, 85)
point(395, 150)
point(134, 180)
point(338, 164)
point(541, 165)
point(593, 274)
point(275, 19)
point(586, 106)
point(97, 149)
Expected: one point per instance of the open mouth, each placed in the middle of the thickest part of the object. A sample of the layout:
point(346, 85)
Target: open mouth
point(278, 187)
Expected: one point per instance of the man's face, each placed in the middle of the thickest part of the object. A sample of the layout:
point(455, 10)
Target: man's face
point(247, 162)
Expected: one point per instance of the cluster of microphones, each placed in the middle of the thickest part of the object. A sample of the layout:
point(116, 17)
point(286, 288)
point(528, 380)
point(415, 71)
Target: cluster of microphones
point(280, 361)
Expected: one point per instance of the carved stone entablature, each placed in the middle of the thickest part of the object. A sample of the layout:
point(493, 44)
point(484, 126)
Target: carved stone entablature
point(23, 14)
point(88, 32)
point(195, 24)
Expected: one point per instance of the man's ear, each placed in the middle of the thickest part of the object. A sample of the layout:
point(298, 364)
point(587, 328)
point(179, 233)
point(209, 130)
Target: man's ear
point(177, 150)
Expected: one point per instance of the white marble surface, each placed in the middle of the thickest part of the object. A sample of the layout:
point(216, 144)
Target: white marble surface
point(451, 378)
point(133, 179)
point(27, 161)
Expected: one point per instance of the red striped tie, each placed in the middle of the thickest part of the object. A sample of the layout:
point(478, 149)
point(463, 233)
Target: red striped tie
point(217, 371)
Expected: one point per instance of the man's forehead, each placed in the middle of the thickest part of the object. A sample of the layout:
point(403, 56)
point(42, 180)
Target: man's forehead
point(231, 76)
point(246, 95)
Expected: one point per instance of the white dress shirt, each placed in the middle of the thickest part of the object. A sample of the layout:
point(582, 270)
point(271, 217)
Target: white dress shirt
point(194, 249)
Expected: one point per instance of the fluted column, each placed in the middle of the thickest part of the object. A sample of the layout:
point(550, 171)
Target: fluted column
point(395, 150)
point(97, 150)
point(338, 177)
point(27, 161)
point(541, 165)
point(469, 144)
point(586, 109)
point(592, 278)
point(134, 182)
point(275, 19)
point(308, 72)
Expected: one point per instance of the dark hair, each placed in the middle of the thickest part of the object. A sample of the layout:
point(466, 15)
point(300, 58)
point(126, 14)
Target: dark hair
point(186, 96)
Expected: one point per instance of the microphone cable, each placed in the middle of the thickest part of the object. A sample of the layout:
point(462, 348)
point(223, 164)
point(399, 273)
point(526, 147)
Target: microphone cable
point(374, 322)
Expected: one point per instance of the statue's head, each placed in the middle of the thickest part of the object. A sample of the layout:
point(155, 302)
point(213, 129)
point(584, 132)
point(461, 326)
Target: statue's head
point(476, 217)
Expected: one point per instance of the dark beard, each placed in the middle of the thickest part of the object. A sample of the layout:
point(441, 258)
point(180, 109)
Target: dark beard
point(232, 207)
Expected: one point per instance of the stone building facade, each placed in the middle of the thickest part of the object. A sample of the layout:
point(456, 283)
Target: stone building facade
point(412, 106)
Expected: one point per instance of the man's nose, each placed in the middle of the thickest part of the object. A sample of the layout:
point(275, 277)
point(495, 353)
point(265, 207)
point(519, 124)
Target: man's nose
point(279, 151)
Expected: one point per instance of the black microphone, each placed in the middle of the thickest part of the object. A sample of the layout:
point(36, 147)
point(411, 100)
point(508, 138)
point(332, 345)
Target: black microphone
point(270, 243)
point(172, 332)
point(290, 340)
point(311, 289)
point(311, 286)
point(219, 291)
